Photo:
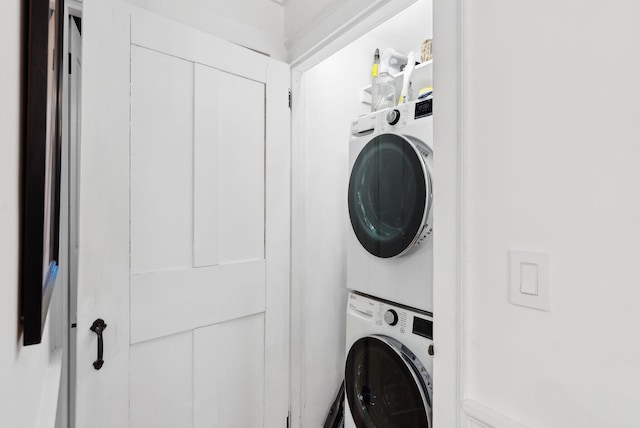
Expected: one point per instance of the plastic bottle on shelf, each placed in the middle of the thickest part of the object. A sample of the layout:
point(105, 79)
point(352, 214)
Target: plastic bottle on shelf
point(383, 90)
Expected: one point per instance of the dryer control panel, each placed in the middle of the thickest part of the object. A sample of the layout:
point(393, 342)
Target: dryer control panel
point(423, 108)
point(404, 115)
point(364, 125)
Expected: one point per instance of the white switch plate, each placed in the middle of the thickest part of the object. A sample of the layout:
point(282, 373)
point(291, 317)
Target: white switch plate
point(530, 279)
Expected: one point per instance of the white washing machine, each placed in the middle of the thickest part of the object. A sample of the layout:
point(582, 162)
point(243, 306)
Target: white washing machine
point(390, 200)
point(388, 365)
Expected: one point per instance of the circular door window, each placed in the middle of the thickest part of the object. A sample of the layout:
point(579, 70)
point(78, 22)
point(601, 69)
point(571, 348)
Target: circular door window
point(382, 387)
point(389, 195)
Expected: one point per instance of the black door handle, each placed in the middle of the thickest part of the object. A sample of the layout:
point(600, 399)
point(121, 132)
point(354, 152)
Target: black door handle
point(98, 327)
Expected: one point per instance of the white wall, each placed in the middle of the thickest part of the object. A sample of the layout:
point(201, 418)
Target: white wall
point(331, 100)
point(256, 24)
point(330, 103)
point(551, 136)
point(25, 374)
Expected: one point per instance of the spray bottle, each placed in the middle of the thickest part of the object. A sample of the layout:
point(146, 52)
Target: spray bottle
point(374, 75)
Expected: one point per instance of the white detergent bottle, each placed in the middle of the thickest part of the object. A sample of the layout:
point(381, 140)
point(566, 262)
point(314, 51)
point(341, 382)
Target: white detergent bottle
point(407, 91)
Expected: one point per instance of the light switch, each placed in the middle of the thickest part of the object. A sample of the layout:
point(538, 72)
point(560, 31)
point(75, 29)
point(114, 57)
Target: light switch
point(530, 279)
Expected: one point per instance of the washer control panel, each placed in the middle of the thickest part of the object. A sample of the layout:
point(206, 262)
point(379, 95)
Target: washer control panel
point(422, 327)
point(391, 317)
point(361, 305)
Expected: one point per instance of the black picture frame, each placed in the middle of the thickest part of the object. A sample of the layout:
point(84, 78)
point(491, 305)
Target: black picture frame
point(41, 162)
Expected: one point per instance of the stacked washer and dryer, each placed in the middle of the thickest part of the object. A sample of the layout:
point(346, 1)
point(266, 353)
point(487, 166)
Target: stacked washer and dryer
point(390, 269)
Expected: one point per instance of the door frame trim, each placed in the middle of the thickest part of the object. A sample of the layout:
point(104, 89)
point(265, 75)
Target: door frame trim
point(66, 396)
point(449, 262)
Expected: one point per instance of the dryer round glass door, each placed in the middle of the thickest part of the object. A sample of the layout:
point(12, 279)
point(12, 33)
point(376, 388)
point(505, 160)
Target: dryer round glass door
point(384, 388)
point(389, 195)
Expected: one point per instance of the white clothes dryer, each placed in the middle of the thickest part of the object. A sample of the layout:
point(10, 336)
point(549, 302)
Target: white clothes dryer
point(388, 367)
point(390, 200)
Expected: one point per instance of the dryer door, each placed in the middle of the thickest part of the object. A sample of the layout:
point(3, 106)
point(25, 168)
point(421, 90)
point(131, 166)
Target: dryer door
point(386, 385)
point(390, 195)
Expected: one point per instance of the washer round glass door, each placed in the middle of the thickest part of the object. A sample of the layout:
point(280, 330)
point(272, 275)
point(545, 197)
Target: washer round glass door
point(389, 195)
point(383, 386)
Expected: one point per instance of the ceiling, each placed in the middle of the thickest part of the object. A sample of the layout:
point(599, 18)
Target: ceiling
point(407, 30)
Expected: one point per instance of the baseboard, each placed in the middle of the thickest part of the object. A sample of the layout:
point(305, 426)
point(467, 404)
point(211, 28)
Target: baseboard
point(477, 415)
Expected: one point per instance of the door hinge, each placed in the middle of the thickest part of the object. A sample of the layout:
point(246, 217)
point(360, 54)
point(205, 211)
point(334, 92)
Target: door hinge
point(290, 100)
point(69, 62)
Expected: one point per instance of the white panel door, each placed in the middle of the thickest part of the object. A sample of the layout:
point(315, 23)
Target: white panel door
point(184, 227)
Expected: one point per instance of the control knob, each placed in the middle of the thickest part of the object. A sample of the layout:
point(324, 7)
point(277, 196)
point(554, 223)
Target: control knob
point(391, 317)
point(393, 116)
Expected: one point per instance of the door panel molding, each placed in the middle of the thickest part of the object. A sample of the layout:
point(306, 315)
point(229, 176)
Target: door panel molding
point(161, 161)
point(154, 32)
point(237, 371)
point(206, 181)
point(190, 298)
point(171, 356)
